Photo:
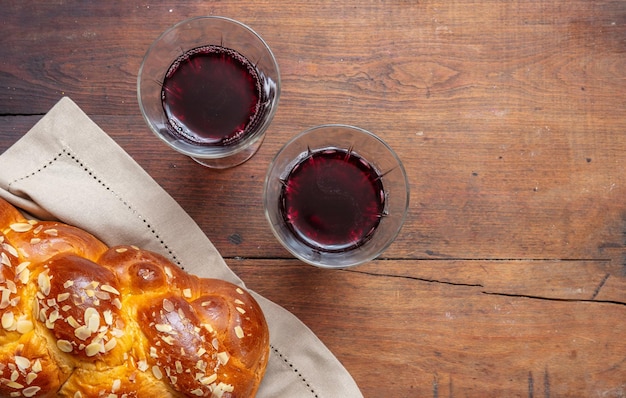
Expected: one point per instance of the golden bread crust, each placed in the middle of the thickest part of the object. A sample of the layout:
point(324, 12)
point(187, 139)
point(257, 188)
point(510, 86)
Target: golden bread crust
point(80, 319)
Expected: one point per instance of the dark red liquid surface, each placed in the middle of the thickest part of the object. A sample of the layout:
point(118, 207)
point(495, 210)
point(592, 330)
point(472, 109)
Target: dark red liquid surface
point(332, 200)
point(211, 96)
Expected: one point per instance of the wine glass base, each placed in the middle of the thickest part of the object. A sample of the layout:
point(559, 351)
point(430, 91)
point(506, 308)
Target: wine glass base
point(232, 160)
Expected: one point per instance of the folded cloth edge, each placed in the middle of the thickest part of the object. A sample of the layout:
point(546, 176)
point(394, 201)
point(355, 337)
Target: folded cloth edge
point(318, 372)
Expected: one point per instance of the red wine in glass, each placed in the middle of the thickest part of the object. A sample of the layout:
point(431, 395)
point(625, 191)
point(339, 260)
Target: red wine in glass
point(332, 200)
point(213, 96)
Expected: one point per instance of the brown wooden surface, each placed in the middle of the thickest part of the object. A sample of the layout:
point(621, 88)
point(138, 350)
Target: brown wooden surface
point(509, 276)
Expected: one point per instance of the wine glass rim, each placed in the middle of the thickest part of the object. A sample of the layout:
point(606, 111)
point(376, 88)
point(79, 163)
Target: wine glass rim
point(331, 263)
point(234, 149)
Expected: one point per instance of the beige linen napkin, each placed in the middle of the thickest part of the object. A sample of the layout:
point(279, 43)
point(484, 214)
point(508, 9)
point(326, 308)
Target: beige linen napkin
point(67, 168)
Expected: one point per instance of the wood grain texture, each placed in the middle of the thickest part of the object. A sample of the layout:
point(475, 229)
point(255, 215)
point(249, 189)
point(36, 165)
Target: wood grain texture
point(509, 276)
point(455, 337)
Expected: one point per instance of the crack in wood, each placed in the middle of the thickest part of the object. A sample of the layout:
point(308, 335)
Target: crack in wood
point(21, 114)
point(414, 278)
point(566, 300)
point(498, 260)
point(527, 296)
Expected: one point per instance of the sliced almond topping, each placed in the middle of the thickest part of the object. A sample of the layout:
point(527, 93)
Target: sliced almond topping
point(93, 349)
point(11, 286)
point(21, 227)
point(82, 333)
point(30, 377)
point(92, 285)
point(44, 282)
point(22, 266)
point(51, 232)
point(110, 289)
point(4, 299)
point(22, 363)
point(42, 313)
point(13, 384)
point(121, 249)
point(12, 251)
point(187, 293)
point(208, 379)
point(24, 276)
point(168, 306)
point(225, 387)
point(62, 297)
point(117, 303)
point(101, 295)
point(68, 283)
point(53, 317)
point(223, 357)
point(37, 366)
point(108, 317)
point(8, 320)
point(92, 319)
point(239, 331)
point(24, 326)
point(201, 365)
point(4, 259)
point(31, 391)
point(238, 290)
point(94, 323)
point(34, 241)
point(72, 322)
point(241, 310)
point(156, 371)
point(49, 324)
point(142, 365)
point(15, 301)
point(163, 327)
point(65, 346)
point(168, 339)
point(110, 344)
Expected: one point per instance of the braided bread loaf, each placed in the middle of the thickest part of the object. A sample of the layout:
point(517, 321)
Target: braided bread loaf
point(79, 319)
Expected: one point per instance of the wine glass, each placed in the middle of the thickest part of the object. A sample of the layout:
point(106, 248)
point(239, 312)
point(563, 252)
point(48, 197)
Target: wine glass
point(209, 88)
point(336, 196)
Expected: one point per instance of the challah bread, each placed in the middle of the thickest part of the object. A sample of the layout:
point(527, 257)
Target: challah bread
point(79, 319)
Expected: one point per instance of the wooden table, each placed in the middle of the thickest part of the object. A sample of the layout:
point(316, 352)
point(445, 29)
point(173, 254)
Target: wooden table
point(509, 276)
